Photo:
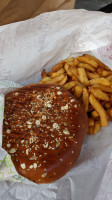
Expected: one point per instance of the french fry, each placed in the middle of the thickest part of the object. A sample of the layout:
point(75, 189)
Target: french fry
point(109, 78)
point(78, 91)
point(101, 81)
point(74, 78)
point(80, 84)
point(69, 85)
point(57, 66)
point(57, 79)
point(60, 71)
point(92, 75)
point(67, 70)
point(103, 88)
point(99, 71)
point(86, 66)
point(91, 130)
point(45, 80)
point(88, 61)
point(44, 74)
point(83, 77)
point(96, 127)
point(109, 112)
point(106, 73)
point(94, 114)
point(63, 81)
point(100, 110)
point(102, 65)
point(74, 70)
point(91, 122)
point(69, 59)
point(99, 93)
point(85, 99)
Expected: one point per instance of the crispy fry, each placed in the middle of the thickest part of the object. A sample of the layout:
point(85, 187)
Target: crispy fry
point(101, 81)
point(100, 110)
point(57, 79)
point(57, 66)
point(78, 91)
point(102, 65)
point(91, 130)
point(96, 126)
point(69, 85)
point(85, 99)
point(60, 71)
point(91, 122)
point(45, 80)
point(107, 105)
point(80, 84)
point(63, 81)
point(67, 70)
point(103, 88)
point(99, 71)
point(44, 74)
point(109, 78)
point(94, 114)
point(86, 66)
point(99, 93)
point(82, 76)
point(74, 78)
point(88, 61)
point(69, 59)
point(92, 75)
point(106, 73)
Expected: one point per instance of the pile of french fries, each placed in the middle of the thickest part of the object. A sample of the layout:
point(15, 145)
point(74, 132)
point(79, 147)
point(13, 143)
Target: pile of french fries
point(90, 81)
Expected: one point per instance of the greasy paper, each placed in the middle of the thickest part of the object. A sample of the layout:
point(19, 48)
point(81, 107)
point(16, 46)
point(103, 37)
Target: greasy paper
point(25, 49)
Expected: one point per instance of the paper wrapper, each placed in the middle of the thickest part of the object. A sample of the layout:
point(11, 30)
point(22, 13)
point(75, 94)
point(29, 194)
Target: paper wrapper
point(25, 49)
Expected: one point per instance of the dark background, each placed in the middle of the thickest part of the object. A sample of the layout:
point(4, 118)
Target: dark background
point(94, 5)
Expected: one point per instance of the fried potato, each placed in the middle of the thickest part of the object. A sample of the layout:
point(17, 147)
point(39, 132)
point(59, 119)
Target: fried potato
point(67, 70)
point(99, 71)
point(80, 84)
point(103, 88)
point(74, 78)
point(69, 85)
point(57, 66)
point(96, 127)
point(99, 93)
point(60, 71)
point(83, 77)
point(100, 110)
point(109, 78)
point(86, 66)
point(89, 61)
point(94, 114)
point(57, 79)
point(107, 105)
point(101, 81)
point(45, 80)
point(63, 81)
point(69, 60)
point(77, 91)
point(85, 99)
point(91, 122)
point(92, 75)
point(44, 74)
point(91, 130)
point(102, 65)
point(106, 73)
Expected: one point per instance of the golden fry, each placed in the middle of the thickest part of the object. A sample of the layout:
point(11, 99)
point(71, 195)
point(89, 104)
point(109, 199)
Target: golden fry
point(91, 130)
point(80, 84)
point(103, 88)
point(92, 75)
point(96, 126)
point(74, 78)
point(106, 73)
point(86, 66)
point(101, 81)
point(100, 110)
point(67, 70)
point(85, 99)
point(60, 71)
point(88, 61)
point(78, 91)
point(45, 80)
point(69, 59)
point(69, 85)
point(99, 71)
point(83, 77)
point(99, 93)
point(109, 78)
point(91, 122)
point(57, 79)
point(57, 66)
point(94, 114)
point(102, 65)
point(63, 81)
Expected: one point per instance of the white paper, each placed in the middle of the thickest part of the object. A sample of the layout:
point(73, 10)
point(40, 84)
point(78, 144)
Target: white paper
point(25, 49)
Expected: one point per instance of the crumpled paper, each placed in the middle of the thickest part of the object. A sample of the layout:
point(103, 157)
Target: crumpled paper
point(25, 49)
